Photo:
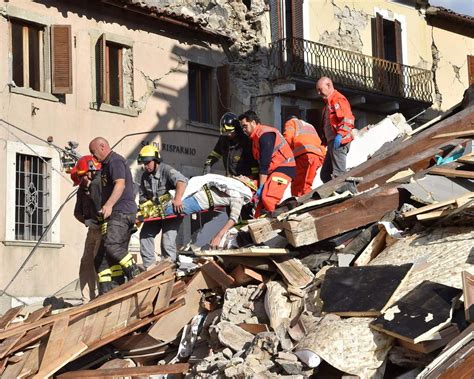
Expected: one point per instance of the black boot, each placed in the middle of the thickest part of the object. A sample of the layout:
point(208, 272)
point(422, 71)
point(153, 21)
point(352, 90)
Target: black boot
point(104, 287)
point(131, 271)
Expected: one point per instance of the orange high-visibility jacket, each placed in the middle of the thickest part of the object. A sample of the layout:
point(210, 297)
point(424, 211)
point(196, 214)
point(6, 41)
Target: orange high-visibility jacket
point(341, 118)
point(303, 138)
point(282, 155)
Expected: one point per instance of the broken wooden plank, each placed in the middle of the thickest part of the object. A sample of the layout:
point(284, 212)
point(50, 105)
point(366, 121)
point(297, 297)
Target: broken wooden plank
point(468, 295)
point(218, 274)
point(9, 316)
point(293, 271)
point(452, 173)
point(458, 134)
point(65, 357)
point(438, 205)
point(243, 252)
point(164, 297)
point(333, 220)
point(261, 229)
point(360, 291)
point(439, 339)
point(420, 313)
point(177, 368)
point(97, 302)
point(373, 249)
point(243, 275)
point(30, 337)
point(55, 342)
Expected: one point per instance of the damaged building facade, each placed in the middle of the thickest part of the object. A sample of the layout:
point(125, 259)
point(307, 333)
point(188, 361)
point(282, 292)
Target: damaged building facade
point(163, 72)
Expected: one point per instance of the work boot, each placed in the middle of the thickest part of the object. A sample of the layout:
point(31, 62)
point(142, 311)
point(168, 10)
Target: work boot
point(104, 287)
point(131, 271)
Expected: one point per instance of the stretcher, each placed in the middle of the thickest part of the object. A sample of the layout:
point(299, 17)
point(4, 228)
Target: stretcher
point(217, 208)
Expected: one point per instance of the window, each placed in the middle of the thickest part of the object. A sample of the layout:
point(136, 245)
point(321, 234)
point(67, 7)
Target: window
point(388, 40)
point(27, 55)
point(37, 65)
point(114, 82)
point(200, 93)
point(31, 197)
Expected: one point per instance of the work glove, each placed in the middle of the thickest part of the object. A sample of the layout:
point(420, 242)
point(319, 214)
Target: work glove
point(337, 141)
point(258, 194)
point(91, 223)
point(207, 169)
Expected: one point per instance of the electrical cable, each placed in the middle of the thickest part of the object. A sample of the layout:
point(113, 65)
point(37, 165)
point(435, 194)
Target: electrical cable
point(46, 230)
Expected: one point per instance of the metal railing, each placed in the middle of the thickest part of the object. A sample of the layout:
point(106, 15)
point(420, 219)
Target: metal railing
point(295, 57)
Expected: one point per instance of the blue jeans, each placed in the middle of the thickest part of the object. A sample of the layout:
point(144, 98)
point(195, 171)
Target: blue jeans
point(190, 205)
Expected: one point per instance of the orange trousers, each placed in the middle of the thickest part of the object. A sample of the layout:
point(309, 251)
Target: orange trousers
point(306, 167)
point(273, 190)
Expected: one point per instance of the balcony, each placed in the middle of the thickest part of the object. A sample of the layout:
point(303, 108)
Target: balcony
point(299, 59)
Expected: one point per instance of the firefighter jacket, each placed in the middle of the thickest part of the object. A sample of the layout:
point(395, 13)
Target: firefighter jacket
point(282, 156)
point(303, 138)
point(236, 156)
point(154, 185)
point(338, 114)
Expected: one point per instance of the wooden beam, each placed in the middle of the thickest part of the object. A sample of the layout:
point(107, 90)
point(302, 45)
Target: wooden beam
point(178, 368)
point(438, 205)
point(218, 274)
point(452, 173)
point(243, 252)
point(459, 134)
point(468, 294)
point(333, 220)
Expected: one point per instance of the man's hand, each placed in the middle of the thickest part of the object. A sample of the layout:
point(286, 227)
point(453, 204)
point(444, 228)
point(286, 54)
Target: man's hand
point(214, 244)
point(177, 205)
point(106, 211)
point(337, 141)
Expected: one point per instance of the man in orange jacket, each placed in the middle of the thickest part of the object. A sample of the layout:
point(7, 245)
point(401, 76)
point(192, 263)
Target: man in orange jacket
point(277, 167)
point(308, 151)
point(337, 125)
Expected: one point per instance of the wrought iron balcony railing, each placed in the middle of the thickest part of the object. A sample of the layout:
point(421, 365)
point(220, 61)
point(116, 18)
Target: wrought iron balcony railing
point(295, 57)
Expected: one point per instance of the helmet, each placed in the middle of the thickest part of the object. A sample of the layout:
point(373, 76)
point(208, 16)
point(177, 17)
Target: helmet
point(75, 178)
point(229, 121)
point(149, 153)
point(85, 164)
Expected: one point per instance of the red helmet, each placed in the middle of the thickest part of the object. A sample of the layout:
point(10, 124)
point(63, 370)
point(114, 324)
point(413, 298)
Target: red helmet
point(75, 178)
point(87, 163)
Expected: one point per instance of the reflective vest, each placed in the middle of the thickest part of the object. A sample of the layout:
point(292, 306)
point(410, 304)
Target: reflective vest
point(340, 115)
point(303, 138)
point(281, 156)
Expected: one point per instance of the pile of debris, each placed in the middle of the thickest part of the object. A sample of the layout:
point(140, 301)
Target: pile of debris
point(371, 283)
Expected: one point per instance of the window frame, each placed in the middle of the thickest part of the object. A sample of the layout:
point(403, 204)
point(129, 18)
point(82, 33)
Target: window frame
point(100, 73)
point(14, 148)
point(211, 95)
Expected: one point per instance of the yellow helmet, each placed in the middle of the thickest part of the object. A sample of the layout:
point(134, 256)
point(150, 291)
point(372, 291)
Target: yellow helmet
point(149, 153)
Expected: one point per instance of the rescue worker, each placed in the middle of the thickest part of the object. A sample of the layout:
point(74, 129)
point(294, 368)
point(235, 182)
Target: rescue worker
point(205, 192)
point(234, 148)
point(337, 124)
point(118, 211)
point(85, 175)
point(308, 151)
point(277, 167)
point(157, 180)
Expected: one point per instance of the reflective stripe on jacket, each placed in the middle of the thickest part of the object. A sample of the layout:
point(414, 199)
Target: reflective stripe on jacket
point(303, 138)
point(341, 118)
point(281, 156)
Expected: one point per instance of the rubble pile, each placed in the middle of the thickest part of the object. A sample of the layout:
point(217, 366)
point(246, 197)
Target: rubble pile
point(370, 275)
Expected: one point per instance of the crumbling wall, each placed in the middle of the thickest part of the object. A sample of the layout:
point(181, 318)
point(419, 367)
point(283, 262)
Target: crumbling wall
point(347, 36)
point(247, 29)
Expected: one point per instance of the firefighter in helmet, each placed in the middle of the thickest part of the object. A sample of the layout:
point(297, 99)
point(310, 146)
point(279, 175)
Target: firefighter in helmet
point(157, 180)
point(233, 148)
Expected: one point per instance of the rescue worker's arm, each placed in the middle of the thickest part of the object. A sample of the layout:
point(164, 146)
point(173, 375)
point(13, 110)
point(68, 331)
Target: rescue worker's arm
point(267, 142)
point(78, 209)
point(236, 204)
point(215, 154)
point(345, 117)
point(177, 202)
point(119, 186)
